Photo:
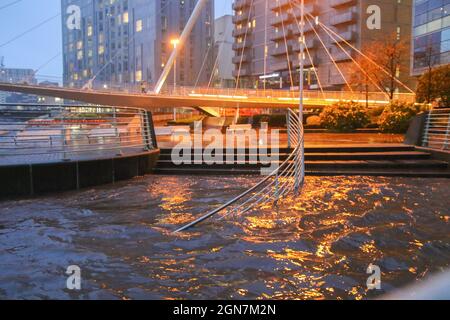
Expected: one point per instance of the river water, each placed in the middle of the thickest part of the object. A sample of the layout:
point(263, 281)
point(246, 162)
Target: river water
point(313, 247)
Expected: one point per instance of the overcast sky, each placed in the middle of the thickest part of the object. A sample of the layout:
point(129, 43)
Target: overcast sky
point(42, 46)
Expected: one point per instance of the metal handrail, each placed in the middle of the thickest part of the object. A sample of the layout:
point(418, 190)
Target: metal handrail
point(73, 131)
point(291, 170)
point(437, 129)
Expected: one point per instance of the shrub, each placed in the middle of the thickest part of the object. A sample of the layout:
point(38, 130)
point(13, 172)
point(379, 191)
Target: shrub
point(344, 117)
point(313, 121)
point(397, 116)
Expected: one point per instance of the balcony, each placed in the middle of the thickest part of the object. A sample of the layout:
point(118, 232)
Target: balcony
point(240, 18)
point(307, 63)
point(281, 50)
point(307, 28)
point(241, 31)
point(349, 36)
point(311, 9)
point(284, 18)
point(341, 3)
point(240, 4)
point(341, 56)
point(337, 80)
point(244, 58)
point(280, 66)
point(242, 73)
point(278, 5)
point(280, 35)
point(310, 44)
point(344, 18)
point(241, 45)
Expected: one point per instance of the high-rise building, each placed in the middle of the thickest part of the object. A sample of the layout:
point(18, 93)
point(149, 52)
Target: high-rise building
point(125, 42)
point(431, 34)
point(267, 39)
point(223, 43)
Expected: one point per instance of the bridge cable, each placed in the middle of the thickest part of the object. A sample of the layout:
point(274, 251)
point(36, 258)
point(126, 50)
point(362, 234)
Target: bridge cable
point(287, 49)
point(44, 65)
point(384, 70)
point(20, 35)
point(219, 52)
point(10, 4)
point(355, 62)
point(266, 49)
point(244, 45)
point(309, 56)
point(329, 54)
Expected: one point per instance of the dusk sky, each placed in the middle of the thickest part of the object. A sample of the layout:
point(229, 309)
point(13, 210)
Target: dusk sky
point(42, 46)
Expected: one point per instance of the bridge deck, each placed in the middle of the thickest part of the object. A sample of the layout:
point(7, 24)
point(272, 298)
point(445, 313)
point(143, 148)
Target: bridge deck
point(195, 97)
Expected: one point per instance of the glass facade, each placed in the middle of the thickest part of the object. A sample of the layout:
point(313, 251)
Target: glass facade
point(431, 34)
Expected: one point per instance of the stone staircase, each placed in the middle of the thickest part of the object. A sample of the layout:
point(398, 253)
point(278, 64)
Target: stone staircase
point(360, 160)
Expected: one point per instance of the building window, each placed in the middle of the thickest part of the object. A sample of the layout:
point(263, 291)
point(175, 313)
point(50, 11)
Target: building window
point(139, 25)
point(138, 75)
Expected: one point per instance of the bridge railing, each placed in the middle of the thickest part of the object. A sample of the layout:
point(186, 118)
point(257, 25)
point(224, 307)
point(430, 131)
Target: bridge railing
point(279, 94)
point(330, 96)
point(437, 129)
point(30, 133)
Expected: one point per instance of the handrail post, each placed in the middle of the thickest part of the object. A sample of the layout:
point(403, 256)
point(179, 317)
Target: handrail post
point(447, 134)
point(151, 130)
point(64, 133)
point(116, 129)
point(425, 142)
point(277, 187)
point(288, 122)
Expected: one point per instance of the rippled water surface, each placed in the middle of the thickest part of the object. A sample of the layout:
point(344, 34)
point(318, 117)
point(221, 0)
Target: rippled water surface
point(316, 246)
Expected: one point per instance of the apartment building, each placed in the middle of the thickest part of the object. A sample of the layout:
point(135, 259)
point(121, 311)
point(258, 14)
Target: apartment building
point(125, 42)
point(267, 38)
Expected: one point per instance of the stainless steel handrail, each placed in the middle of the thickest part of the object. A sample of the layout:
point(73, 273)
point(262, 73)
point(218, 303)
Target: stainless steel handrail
point(437, 129)
point(72, 131)
point(285, 178)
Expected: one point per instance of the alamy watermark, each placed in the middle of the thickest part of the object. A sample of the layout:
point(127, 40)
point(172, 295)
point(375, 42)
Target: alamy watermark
point(73, 21)
point(73, 281)
point(374, 280)
point(229, 148)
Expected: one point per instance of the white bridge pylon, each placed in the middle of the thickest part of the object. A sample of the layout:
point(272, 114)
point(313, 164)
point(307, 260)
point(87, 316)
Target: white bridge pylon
point(182, 40)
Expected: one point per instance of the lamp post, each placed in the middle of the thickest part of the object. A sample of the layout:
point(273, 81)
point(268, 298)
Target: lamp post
point(174, 43)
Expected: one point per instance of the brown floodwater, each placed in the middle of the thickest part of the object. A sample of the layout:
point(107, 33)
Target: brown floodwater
point(316, 246)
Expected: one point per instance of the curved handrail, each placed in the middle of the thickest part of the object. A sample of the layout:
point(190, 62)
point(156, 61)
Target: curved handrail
point(292, 167)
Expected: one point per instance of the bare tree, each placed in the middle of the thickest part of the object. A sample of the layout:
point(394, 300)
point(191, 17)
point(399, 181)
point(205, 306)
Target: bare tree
point(389, 54)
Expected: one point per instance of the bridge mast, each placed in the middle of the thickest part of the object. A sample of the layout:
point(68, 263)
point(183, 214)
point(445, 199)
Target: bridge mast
point(184, 36)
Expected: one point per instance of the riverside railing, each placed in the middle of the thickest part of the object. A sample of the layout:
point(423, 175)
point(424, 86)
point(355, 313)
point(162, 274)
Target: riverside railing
point(437, 129)
point(68, 132)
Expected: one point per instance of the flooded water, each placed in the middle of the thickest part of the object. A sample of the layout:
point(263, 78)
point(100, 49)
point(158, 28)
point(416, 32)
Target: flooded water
point(316, 246)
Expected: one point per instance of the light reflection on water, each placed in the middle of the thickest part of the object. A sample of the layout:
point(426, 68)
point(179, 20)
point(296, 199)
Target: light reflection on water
point(317, 246)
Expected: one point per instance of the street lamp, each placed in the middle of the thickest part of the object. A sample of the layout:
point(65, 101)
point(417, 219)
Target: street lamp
point(175, 43)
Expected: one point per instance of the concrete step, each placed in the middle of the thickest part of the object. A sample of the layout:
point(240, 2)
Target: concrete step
point(325, 149)
point(416, 173)
point(320, 165)
point(395, 155)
